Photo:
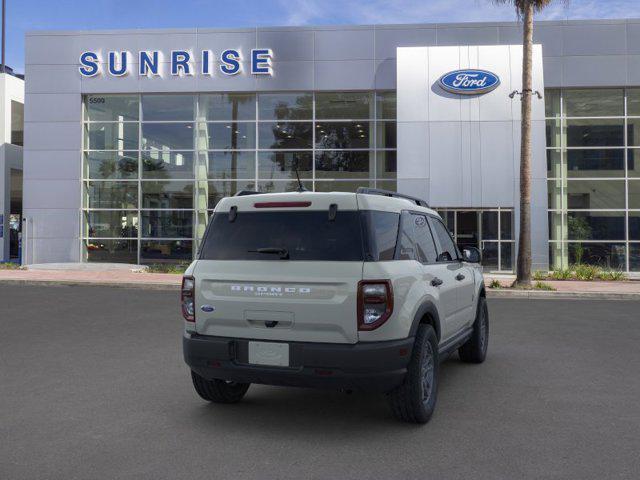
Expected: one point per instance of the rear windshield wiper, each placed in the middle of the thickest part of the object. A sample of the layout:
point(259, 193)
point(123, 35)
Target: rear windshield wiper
point(283, 252)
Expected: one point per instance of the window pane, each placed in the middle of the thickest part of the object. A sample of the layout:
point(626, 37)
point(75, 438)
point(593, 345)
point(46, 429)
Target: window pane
point(289, 135)
point(159, 224)
point(219, 190)
point(386, 105)
point(556, 230)
point(506, 251)
point(167, 164)
point(281, 165)
point(112, 251)
point(387, 164)
point(611, 256)
point(633, 132)
point(167, 194)
point(227, 106)
point(350, 105)
point(417, 242)
point(112, 108)
point(634, 225)
point(634, 257)
point(448, 250)
point(277, 186)
point(17, 123)
point(552, 103)
point(227, 136)
point(596, 225)
point(111, 224)
point(595, 163)
point(168, 107)
point(593, 103)
point(166, 251)
point(595, 133)
point(111, 164)
point(490, 255)
point(633, 159)
point(554, 164)
point(285, 106)
point(449, 220)
point(633, 101)
point(386, 135)
point(112, 194)
point(344, 164)
point(391, 185)
point(382, 230)
point(341, 186)
point(555, 199)
point(595, 194)
point(222, 165)
point(111, 136)
point(334, 135)
point(634, 194)
point(167, 136)
point(490, 225)
point(506, 225)
point(554, 133)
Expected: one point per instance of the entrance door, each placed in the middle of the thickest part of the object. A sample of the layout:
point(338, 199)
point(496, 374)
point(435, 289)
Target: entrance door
point(468, 229)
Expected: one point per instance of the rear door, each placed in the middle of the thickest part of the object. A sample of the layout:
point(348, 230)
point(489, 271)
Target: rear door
point(281, 273)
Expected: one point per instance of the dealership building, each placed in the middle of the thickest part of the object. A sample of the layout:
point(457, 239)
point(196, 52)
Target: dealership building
point(131, 137)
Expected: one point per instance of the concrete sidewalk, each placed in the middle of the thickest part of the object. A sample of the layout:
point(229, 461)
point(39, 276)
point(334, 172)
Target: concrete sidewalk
point(628, 290)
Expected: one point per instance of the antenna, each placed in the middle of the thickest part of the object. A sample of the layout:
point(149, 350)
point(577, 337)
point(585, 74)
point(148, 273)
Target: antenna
point(301, 187)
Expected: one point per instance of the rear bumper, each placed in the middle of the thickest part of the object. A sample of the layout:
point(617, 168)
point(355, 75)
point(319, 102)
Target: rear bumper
point(371, 366)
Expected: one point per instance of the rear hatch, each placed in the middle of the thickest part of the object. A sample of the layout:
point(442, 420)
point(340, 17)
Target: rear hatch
point(281, 267)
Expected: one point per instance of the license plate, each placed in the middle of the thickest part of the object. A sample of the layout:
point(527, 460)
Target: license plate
point(267, 353)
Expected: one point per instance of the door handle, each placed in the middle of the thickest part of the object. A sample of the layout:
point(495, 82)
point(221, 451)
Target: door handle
point(460, 277)
point(436, 282)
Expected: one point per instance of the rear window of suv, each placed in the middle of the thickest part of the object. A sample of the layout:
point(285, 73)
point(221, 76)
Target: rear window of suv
point(310, 236)
point(303, 235)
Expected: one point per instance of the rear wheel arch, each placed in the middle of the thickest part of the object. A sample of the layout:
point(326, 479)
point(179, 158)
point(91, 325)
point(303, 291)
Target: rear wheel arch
point(427, 314)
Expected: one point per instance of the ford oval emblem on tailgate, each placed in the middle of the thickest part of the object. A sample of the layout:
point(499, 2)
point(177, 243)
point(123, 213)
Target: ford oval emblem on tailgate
point(207, 308)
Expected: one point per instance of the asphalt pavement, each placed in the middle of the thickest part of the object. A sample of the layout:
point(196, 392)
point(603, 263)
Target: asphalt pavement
point(93, 386)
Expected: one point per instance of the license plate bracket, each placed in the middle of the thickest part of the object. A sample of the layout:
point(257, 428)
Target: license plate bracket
point(269, 353)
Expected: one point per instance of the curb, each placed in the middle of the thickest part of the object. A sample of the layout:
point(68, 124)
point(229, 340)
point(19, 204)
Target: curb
point(545, 295)
point(81, 283)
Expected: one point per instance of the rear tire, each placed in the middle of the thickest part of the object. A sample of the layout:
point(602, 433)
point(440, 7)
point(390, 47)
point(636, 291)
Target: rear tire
point(415, 400)
point(219, 391)
point(475, 349)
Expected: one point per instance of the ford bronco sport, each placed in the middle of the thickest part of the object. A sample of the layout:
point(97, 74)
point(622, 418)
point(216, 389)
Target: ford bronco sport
point(351, 291)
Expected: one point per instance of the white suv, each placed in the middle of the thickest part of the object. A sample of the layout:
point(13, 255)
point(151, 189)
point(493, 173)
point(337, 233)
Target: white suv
point(352, 291)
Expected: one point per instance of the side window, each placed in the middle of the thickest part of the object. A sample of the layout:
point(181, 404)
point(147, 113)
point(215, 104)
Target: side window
point(381, 232)
point(447, 249)
point(416, 242)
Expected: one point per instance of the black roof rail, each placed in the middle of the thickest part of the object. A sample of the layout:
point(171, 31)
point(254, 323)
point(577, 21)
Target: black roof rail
point(389, 193)
point(244, 193)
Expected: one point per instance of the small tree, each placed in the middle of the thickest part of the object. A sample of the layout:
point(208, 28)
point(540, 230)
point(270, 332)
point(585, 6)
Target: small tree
point(525, 10)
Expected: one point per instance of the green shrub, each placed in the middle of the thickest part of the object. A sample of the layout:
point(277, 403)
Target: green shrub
point(587, 272)
point(177, 268)
point(9, 266)
point(543, 286)
point(612, 275)
point(562, 274)
point(495, 284)
point(540, 275)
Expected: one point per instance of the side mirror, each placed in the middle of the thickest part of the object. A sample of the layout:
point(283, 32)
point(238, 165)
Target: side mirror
point(471, 255)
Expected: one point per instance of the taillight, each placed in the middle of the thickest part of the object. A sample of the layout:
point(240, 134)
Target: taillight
point(375, 303)
point(187, 298)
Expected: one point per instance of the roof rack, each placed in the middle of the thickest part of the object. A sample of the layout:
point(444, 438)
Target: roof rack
point(389, 193)
point(244, 193)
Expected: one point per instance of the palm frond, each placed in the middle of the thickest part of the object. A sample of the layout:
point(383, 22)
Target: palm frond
point(519, 5)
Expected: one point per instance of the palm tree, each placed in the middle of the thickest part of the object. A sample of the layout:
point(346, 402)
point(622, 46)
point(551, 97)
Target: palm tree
point(525, 10)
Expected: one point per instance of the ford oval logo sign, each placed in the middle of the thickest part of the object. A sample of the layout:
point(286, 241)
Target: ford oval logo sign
point(469, 82)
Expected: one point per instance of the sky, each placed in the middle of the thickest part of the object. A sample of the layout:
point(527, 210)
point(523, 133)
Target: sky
point(26, 15)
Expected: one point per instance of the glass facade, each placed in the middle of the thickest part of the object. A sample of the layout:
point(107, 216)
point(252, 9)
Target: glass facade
point(593, 177)
point(154, 166)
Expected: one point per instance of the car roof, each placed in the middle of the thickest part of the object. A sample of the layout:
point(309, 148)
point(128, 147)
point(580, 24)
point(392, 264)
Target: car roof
point(320, 201)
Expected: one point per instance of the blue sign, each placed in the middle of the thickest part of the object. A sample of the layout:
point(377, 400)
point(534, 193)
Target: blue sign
point(181, 62)
point(469, 82)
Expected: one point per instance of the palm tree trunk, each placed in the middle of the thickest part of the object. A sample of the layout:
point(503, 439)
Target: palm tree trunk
point(524, 246)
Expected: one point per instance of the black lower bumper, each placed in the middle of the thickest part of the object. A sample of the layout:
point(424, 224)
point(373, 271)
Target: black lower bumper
point(371, 366)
